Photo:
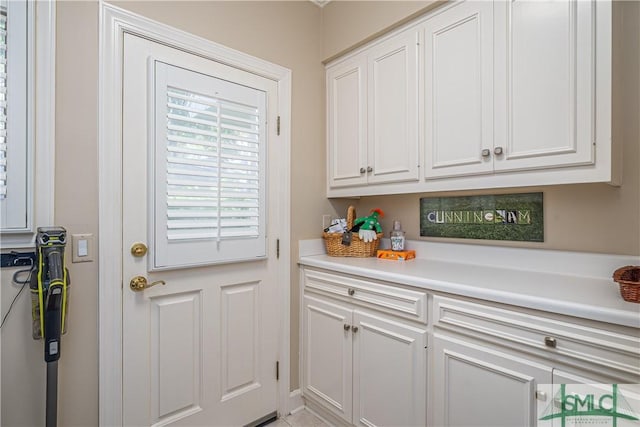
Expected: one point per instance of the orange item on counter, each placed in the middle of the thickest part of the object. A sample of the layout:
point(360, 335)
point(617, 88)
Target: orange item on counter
point(396, 255)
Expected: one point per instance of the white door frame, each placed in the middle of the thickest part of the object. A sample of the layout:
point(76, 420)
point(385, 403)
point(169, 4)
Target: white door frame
point(114, 23)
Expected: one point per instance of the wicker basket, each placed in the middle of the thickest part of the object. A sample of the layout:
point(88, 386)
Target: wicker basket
point(357, 248)
point(629, 279)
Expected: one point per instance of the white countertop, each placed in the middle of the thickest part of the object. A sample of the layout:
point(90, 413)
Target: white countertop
point(516, 278)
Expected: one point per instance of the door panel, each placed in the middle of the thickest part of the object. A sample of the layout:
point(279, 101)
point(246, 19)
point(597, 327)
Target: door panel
point(347, 123)
point(549, 122)
point(390, 375)
point(475, 385)
point(327, 355)
point(201, 349)
point(176, 334)
point(459, 90)
point(240, 340)
point(393, 110)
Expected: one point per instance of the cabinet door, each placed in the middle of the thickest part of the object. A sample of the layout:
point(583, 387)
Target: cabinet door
point(327, 353)
point(475, 385)
point(393, 109)
point(459, 91)
point(389, 362)
point(544, 83)
point(585, 391)
point(347, 126)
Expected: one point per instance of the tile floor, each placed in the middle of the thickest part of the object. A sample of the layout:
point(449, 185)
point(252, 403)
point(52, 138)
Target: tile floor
point(302, 418)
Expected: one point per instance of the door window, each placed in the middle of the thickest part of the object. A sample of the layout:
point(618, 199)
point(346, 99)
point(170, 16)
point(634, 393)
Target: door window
point(208, 171)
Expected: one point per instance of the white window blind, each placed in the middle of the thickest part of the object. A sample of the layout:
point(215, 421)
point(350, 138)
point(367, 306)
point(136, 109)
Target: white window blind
point(209, 169)
point(213, 167)
point(3, 101)
point(15, 107)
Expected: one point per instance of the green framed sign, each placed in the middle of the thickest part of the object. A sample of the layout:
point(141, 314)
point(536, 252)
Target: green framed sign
point(517, 217)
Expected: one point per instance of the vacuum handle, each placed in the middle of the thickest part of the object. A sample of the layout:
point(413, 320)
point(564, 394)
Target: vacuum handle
point(53, 324)
point(54, 263)
point(53, 307)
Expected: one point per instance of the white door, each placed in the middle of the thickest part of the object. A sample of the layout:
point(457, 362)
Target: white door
point(459, 91)
point(544, 83)
point(199, 189)
point(347, 122)
point(389, 372)
point(327, 351)
point(393, 110)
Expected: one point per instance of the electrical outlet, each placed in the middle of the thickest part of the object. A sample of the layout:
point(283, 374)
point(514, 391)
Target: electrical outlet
point(326, 221)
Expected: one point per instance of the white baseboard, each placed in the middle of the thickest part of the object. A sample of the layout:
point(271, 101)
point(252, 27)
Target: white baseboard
point(296, 403)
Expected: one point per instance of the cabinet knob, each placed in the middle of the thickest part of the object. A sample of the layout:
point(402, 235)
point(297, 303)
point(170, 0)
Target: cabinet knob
point(550, 342)
point(497, 151)
point(369, 169)
point(362, 170)
point(541, 395)
point(355, 329)
point(486, 152)
point(351, 291)
point(347, 327)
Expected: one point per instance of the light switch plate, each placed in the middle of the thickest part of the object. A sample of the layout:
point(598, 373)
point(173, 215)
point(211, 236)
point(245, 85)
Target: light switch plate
point(81, 244)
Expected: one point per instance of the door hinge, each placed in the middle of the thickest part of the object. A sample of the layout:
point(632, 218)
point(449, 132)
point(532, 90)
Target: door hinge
point(277, 248)
point(278, 126)
point(278, 371)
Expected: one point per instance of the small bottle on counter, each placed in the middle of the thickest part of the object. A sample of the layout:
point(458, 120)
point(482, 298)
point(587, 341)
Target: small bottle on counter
point(397, 237)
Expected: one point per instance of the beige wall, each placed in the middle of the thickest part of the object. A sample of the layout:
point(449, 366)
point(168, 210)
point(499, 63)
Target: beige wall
point(348, 23)
point(76, 208)
point(591, 218)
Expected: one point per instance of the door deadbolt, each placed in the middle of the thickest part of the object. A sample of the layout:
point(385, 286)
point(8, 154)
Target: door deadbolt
point(138, 250)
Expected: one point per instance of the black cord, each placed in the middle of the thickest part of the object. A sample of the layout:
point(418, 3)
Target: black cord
point(24, 283)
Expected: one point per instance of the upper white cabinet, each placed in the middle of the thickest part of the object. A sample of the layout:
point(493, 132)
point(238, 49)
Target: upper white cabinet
point(459, 91)
point(393, 110)
point(347, 119)
point(373, 114)
point(544, 84)
point(503, 94)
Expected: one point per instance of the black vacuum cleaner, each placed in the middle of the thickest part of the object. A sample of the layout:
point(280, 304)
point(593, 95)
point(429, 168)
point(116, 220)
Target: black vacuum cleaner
point(49, 295)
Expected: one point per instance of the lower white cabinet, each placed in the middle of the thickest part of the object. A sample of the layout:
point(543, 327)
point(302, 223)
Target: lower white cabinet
point(477, 385)
point(364, 367)
point(364, 357)
point(500, 366)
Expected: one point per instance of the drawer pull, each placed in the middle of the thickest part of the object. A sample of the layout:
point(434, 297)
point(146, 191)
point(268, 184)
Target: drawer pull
point(550, 342)
point(355, 329)
point(351, 291)
point(347, 327)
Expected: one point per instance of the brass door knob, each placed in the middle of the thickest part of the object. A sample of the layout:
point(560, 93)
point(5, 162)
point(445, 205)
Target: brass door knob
point(139, 283)
point(138, 249)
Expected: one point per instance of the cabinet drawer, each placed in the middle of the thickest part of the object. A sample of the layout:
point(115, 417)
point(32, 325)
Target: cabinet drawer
point(390, 299)
point(556, 337)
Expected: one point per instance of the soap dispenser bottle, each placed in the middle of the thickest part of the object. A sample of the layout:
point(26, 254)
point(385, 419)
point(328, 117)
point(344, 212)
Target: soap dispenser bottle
point(397, 237)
